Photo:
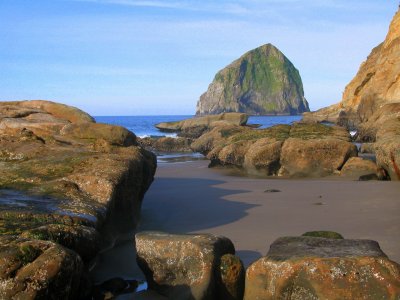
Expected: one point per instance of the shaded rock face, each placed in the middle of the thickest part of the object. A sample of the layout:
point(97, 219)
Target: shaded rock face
point(298, 150)
point(195, 127)
point(67, 179)
point(261, 82)
point(33, 269)
point(320, 268)
point(184, 266)
point(357, 167)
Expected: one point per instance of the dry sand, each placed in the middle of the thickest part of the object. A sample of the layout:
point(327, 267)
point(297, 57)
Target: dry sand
point(190, 197)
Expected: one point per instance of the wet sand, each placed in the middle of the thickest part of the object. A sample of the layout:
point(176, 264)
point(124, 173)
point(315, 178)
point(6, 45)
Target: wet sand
point(190, 197)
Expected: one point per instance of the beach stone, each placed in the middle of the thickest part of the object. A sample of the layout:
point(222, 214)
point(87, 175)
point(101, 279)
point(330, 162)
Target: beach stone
point(314, 157)
point(357, 167)
point(320, 268)
point(33, 269)
point(232, 278)
point(184, 266)
point(233, 154)
point(264, 155)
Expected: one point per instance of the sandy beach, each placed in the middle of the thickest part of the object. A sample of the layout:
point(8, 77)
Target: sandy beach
point(189, 197)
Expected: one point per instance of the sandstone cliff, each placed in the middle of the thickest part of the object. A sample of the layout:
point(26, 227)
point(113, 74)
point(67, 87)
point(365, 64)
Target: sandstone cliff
point(377, 83)
point(261, 82)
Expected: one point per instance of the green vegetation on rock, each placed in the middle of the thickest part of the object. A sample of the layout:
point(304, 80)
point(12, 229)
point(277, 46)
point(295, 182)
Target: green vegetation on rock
point(324, 234)
point(263, 81)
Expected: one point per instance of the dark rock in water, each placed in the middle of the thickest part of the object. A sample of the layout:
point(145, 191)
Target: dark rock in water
point(324, 234)
point(320, 268)
point(182, 266)
point(232, 278)
point(261, 82)
point(34, 269)
point(195, 127)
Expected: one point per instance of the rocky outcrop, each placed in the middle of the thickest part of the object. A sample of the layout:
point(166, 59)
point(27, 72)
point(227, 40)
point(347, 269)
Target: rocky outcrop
point(67, 179)
point(321, 268)
point(195, 127)
point(166, 144)
point(261, 82)
point(377, 83)
point(286, 150)
point(189, 266)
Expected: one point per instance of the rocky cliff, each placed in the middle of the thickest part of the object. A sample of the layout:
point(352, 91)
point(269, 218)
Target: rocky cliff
point(377, 83)
point(371, 102)
point(261, 82)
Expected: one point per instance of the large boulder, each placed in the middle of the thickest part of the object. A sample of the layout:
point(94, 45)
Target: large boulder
point(183, 266)
point(263, 81)
point(320, 268)
point(315, 157)
point(33, 269)
point(67, 179)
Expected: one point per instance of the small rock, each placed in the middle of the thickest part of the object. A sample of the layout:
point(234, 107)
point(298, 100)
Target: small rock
point(232, 278)
point(272, 191)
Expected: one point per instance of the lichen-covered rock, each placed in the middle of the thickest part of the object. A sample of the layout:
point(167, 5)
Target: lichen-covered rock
point(324, 234)
point(182, 266)
point(33, 269)
point(314, 157)
point(67, 179)
point(264, 156)
point(263, 81)
point(357, 167)
point(288, 150)
point(232, 278)
point(320, 268)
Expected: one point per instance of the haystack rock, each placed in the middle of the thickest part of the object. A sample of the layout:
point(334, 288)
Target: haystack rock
point(261, 82)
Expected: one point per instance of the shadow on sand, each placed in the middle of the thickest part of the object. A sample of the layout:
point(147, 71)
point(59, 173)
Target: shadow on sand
point(182, 205)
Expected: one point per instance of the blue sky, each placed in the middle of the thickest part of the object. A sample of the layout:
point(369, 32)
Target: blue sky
point(131, 57)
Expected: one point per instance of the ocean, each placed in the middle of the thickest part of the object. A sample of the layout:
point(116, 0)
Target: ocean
point(143, 126)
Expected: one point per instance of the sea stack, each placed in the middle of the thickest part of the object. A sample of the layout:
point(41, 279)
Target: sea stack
point(261, 82)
